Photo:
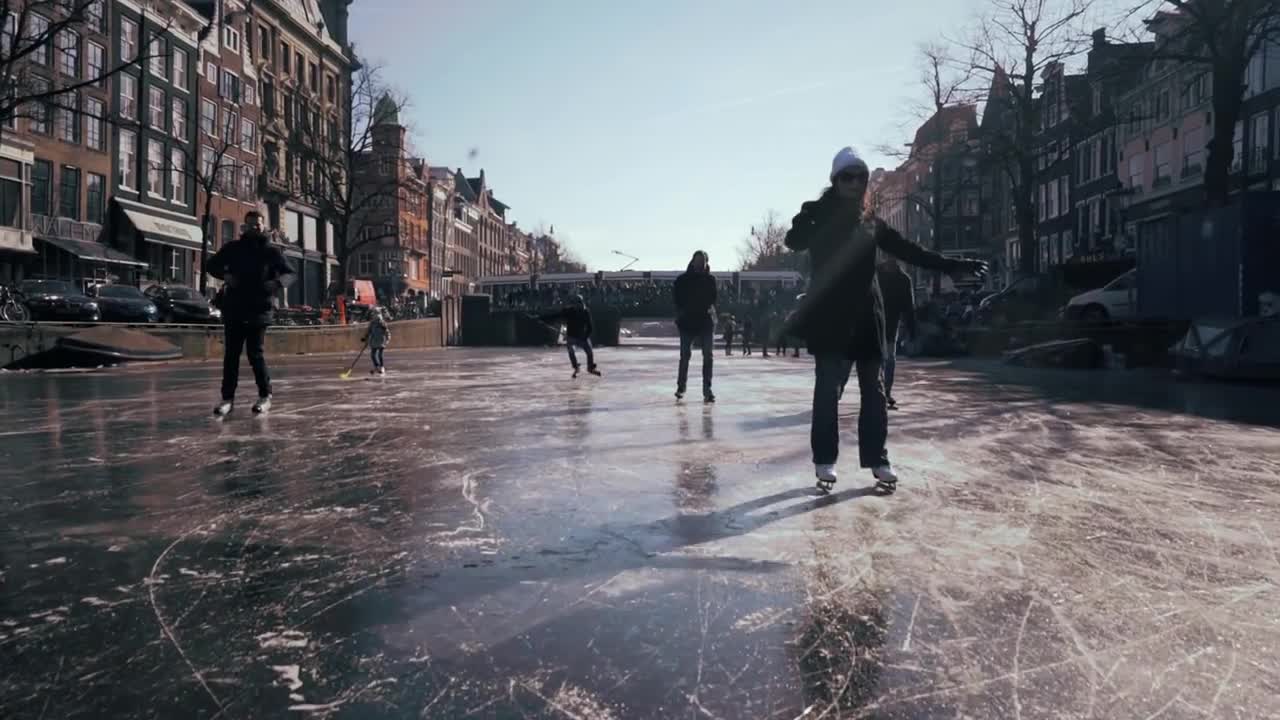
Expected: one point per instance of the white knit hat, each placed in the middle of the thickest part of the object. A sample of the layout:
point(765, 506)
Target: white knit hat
point(846, 159)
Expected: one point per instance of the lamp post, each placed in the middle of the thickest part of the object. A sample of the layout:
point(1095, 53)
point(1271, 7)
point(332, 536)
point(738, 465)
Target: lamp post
point(634, 259)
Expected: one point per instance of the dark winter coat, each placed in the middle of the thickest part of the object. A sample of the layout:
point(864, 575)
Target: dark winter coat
point(899, 301)
point(695, 298)
point(252, 269)
point(577, 321)
point(842, 310)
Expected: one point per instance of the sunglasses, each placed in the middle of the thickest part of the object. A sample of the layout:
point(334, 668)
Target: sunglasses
point(848, 177)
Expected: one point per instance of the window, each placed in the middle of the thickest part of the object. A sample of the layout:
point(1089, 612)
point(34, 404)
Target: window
point(228, 231)
point(231, 39)
point(971, 208)
point(128, 40)
point(1260, 152)
point(268, 99)
point(299, 65)
point(248, 92)
point(208, 118)
point(1064, 189)
point(1097, 99)
point(313, 77)
point(156, 108)
point(285, 53)
point(69, 53)
point(288, 110)
point(97, 63)
point(1162, 105)
point(229, 87)
point(264, 43)
point(155, 168)
point(69, 193)
point(155, 49)
point(1237, 147)
point(177, 176)
point(1255, 77)
point(331, 88)
point(1164, 171)
point(1052, 191)
point(127, 159)
point(180, 69)
point(365, 264)
point(231, 126)
point(1135, 172)
point(41, 187)
point(206, 163)
point(248, 136)
point(211, 72)
point(95, 112)
point(68, 119)
point(95, 198)
point(179, 114)
point(39, 38)
point(248, 181)
point(128, 97)
point(97, 18)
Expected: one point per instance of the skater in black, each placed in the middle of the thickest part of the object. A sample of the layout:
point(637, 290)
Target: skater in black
point(252, 272)
point(577, 332)
point(841, 318)
point(899, 310)
point(730, 329)
point(748, 327)
point(695, 301)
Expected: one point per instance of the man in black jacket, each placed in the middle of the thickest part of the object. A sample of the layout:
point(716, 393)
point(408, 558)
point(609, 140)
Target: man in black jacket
point(695, 300)
point(842, 316)
point(252, 272)
point(577, 332)
point(899, 310)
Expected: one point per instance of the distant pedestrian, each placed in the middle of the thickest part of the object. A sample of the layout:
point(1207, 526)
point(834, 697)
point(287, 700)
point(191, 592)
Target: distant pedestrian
point(379, 337)
point(695, 301)
point(899, 310)
point(577, 334)
point(842, 315)
point(748, 329)
point(252, 272)
point(730, 330)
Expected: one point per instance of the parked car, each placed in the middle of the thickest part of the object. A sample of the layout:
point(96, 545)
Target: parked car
point(58, 300)
point(124, 303)
point(1028, 298)
point(179, 304)
point(1117, 300)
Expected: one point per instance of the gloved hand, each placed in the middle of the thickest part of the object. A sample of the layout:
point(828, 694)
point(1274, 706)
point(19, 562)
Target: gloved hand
point(977, 268)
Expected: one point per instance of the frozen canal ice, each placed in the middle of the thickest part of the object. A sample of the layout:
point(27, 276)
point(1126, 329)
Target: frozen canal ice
point(477, 535)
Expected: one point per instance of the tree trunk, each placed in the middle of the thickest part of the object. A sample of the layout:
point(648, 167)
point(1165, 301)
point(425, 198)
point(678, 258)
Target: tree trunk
point(204, 251)
point(1227, 101)
point(937, 207)
point(1024, 188)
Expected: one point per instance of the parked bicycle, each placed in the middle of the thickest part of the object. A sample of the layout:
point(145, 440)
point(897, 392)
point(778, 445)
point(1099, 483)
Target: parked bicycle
point(13, 306)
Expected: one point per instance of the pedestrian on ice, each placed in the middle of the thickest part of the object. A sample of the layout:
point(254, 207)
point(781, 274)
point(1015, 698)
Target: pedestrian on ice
point(748, 328)
point(842, 319)
point(252, 272)
point(730, 330)
point(577, 334)
point(695, 301)
point(899, 311)
point(378, 338)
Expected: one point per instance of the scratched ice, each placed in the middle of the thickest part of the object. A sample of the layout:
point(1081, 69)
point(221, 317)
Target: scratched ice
point(477, 535)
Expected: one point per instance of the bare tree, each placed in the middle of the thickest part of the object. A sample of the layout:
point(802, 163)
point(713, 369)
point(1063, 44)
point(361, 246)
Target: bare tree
point(1221, 37)
point(764, 248)
point(553, 255)
point(339, 171)
point(1014, 43)
point(39, 33)
point(212, 170)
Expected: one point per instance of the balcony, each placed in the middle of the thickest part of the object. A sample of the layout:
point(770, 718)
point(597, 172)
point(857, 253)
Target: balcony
point(45, 226)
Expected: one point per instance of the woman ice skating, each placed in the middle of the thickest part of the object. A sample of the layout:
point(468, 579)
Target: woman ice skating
point(695, 301)
point(379, 336)
point(841, 318)
point(577, 332)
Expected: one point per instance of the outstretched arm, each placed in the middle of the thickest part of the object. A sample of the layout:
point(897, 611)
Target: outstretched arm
point(892, 242)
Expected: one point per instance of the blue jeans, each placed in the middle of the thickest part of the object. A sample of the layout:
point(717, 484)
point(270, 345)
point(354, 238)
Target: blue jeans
point(707, 340)
point(375, 354)
point(585, 344)
point(831, 371)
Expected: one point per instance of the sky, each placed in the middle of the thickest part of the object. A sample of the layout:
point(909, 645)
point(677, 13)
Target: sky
point(655, 128)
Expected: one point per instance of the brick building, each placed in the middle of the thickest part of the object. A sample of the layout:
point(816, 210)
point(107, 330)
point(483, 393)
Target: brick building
point(440, 229)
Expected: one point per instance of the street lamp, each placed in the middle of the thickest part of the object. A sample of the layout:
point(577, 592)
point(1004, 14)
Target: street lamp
point(634, 259)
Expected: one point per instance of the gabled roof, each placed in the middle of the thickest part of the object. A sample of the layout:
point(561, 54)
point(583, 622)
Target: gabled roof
point(463, 187)
point(941, 123)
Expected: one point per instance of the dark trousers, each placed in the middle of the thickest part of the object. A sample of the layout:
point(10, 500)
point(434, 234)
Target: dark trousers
point(746, 344)
point(375, 354)
point(831, 370)
point(585, 344)
point(248, 336)
point(728, 343)
point(890, 364)
point(706, 339)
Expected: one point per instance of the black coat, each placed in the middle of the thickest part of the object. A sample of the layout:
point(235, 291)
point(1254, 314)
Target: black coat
point(695, 298)
point(899, 301)
point(577, 321)
point(254, 268)
point(842, 311)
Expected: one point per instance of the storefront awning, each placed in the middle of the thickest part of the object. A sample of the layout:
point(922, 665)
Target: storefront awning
point(164, 230)
point(93, 252)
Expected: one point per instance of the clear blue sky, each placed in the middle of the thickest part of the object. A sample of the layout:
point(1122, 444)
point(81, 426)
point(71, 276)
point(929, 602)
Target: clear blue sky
point(653, 128)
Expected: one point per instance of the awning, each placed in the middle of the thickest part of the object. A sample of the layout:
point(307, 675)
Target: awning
point(15, 241)
point(93, 251)
point(164, 230)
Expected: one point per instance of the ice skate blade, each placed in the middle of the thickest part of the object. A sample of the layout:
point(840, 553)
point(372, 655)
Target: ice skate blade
point(886, 488)
point(824, 487)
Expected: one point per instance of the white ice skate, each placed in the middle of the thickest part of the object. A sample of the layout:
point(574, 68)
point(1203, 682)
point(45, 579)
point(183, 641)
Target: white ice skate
point(826, 477)
point(223, 409)
point(263, 405)
point(886, 479)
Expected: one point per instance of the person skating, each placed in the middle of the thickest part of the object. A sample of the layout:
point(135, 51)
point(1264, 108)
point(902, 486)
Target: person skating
point(841, 318)
point(577, 332)
point(748, 327)
point(378, 338)
point(899, 310)
point(252, 272)
point(695, 301)
point(730, 330)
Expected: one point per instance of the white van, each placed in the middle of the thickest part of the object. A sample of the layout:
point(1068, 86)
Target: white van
point(1117, 300)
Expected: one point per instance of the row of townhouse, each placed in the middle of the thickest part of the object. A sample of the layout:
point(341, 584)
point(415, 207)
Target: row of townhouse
point(185, 128)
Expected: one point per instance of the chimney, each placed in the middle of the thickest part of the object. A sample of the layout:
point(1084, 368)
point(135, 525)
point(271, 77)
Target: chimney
point(1099, 37)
